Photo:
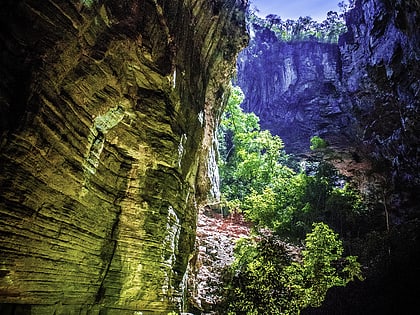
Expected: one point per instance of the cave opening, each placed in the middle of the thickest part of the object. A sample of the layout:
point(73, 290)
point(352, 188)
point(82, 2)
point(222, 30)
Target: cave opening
point(298, 85)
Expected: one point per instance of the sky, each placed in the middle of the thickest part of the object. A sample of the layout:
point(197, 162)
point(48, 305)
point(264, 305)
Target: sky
point(292, 9)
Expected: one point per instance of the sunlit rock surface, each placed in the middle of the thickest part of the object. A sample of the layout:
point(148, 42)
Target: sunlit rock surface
point(108, 111)
point(216, 238)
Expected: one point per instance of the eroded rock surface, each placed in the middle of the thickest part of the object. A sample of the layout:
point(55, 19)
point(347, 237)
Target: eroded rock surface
point(378, 111)
point(108, 111)
point(216, 238)
point(381, 72)
point(362, 93)
point(296, 90)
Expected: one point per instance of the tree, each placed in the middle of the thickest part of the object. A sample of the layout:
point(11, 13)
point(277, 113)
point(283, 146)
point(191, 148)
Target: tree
point(318, 143)
point(273, 19)
point(249, 157)
point(323, 250)
point(265, 277)
point(304, 28)
point(334, 26)
point(268, 278)
point(256, 179)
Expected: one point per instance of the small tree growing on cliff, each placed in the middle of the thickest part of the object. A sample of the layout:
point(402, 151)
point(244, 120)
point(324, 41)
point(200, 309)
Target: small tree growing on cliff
point(318, 143)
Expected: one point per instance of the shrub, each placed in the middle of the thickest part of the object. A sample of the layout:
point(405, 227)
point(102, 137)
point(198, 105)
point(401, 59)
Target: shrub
point(268, 278)
point(318, 143)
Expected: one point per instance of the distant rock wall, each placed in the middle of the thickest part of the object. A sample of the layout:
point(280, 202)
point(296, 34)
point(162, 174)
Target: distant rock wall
point(362, 92)
point(108, 110)
point(296, 89)
point(373, 104)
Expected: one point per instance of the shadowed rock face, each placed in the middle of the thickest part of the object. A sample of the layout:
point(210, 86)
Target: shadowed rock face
point(361, 92)
point(108, 111)
point(296, 90)
point(381, 72)
point(374, 102)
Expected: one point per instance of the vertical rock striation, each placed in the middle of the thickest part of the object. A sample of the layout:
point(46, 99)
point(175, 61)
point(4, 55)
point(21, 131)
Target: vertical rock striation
point(108, 111)
point(295, 88)
point(362, 92)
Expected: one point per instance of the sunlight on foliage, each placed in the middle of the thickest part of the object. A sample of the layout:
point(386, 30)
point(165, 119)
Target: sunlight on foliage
point(282, 202)
point(88, 3)
point(267, 279)
point(249, 157)
point(255, 174)
point(318, 143)
point(304, 28)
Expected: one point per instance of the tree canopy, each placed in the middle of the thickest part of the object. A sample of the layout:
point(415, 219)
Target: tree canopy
point(305, 28)
point(285, 204)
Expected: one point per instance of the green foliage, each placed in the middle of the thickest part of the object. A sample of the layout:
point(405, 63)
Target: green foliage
point(266, 279)
point(328, 198)
point(88, 3)
point(257, 278)
point(255, 178)
point(304, 28)
point(290, 204)
point(318, 143)
point(249, 157)
point(275, 205)
point(323, 248)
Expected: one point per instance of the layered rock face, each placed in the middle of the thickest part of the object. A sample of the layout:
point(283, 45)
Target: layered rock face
point(108, 111)
point(362, 92)
point(296, 90)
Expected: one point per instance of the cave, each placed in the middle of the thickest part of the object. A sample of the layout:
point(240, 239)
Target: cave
point(109, 113)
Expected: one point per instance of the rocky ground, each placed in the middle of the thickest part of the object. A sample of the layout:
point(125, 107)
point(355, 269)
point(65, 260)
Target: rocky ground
point(216, 236)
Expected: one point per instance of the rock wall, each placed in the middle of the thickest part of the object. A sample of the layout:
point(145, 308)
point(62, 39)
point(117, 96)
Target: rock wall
point(296, 89)
point(108, 111)
point(376, 90)
point(381, 73)
point(361, 92)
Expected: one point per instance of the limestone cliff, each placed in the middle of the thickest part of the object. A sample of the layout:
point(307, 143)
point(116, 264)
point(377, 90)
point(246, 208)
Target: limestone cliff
point(374, 102)
point(381, 73)
point(295, 88)
point(108, 110)
point(360, 93)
